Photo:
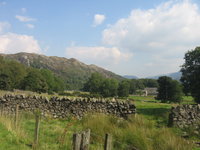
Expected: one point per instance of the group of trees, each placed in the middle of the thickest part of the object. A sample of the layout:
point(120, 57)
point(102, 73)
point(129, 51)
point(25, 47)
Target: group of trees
point(169, 90)
point(106, 87)
point(14, 75)
point(140, 84)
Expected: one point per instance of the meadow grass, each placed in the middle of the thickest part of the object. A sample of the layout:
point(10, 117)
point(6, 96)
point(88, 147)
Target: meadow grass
point(146, 131)
point(153, 109)
point(140, 98)
point(188, 100)
point(56, 134)
point(136, 132)
point(158, 112)
point(151, 98)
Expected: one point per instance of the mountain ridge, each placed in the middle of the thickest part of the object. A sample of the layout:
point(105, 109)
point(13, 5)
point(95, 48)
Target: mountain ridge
point(173, 75)
point(74, 72)
point(130, 77)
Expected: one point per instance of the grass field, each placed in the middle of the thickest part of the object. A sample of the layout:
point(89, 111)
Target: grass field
point(146, 131)
point(57, 134)
point(153, 109)
point(158, 112)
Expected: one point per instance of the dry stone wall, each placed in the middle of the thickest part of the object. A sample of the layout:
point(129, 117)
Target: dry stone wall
point(185, 116)
point(64, 107)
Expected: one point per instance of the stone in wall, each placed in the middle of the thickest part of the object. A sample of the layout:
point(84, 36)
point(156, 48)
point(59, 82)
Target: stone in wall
point(185, 116)
point(65, 107)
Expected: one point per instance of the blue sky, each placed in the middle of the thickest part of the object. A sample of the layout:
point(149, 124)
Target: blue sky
point(128, 37)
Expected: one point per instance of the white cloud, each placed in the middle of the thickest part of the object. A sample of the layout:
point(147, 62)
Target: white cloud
point(4, 26)
point(97, 55)
point(173, 24)
point(98, 19)
point(168, 30)
point(24, 18)
point(13, 43)
point(30, 26)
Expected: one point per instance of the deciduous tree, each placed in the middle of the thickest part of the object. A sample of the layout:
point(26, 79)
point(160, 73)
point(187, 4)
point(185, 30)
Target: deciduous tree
point(124, 88)
point(191, 73)
point(34, 81)
point(169, 90)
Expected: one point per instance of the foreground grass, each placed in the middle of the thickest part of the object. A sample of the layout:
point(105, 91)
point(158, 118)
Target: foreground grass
point(54, 134)
point(9, 140)
point(137, 132)
point(146, 131)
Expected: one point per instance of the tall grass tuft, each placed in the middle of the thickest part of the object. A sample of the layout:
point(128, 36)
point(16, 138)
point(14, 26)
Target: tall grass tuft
point(17, 134)
point(136, 132)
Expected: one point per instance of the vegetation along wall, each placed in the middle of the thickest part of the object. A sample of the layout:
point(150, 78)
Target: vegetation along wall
point(185, 116)
point(65, 107)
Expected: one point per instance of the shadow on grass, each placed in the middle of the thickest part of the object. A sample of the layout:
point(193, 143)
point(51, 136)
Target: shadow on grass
point(160, 115)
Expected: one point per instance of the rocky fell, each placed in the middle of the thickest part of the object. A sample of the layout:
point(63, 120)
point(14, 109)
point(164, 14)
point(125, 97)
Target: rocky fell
point(72, 71)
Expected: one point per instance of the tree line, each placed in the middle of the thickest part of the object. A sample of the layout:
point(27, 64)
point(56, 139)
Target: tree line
point(169, 90)
point(106, 87)
point(14, 75)
point(190, 80)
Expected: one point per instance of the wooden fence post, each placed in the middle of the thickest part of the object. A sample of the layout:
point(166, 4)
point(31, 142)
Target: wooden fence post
point(108, 142)
point(16, 115)
point(85, 140)
point(37, 124)
point(1, 111)
point(76, 141)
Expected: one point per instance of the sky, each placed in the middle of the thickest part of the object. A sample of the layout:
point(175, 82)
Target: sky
point(128, 37)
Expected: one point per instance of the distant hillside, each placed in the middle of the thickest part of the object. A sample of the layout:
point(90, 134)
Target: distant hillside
point(130, 77)
point(175, 76)
point(72, 71)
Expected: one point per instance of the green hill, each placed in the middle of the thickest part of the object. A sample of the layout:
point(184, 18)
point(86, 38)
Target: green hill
point(72, 71)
